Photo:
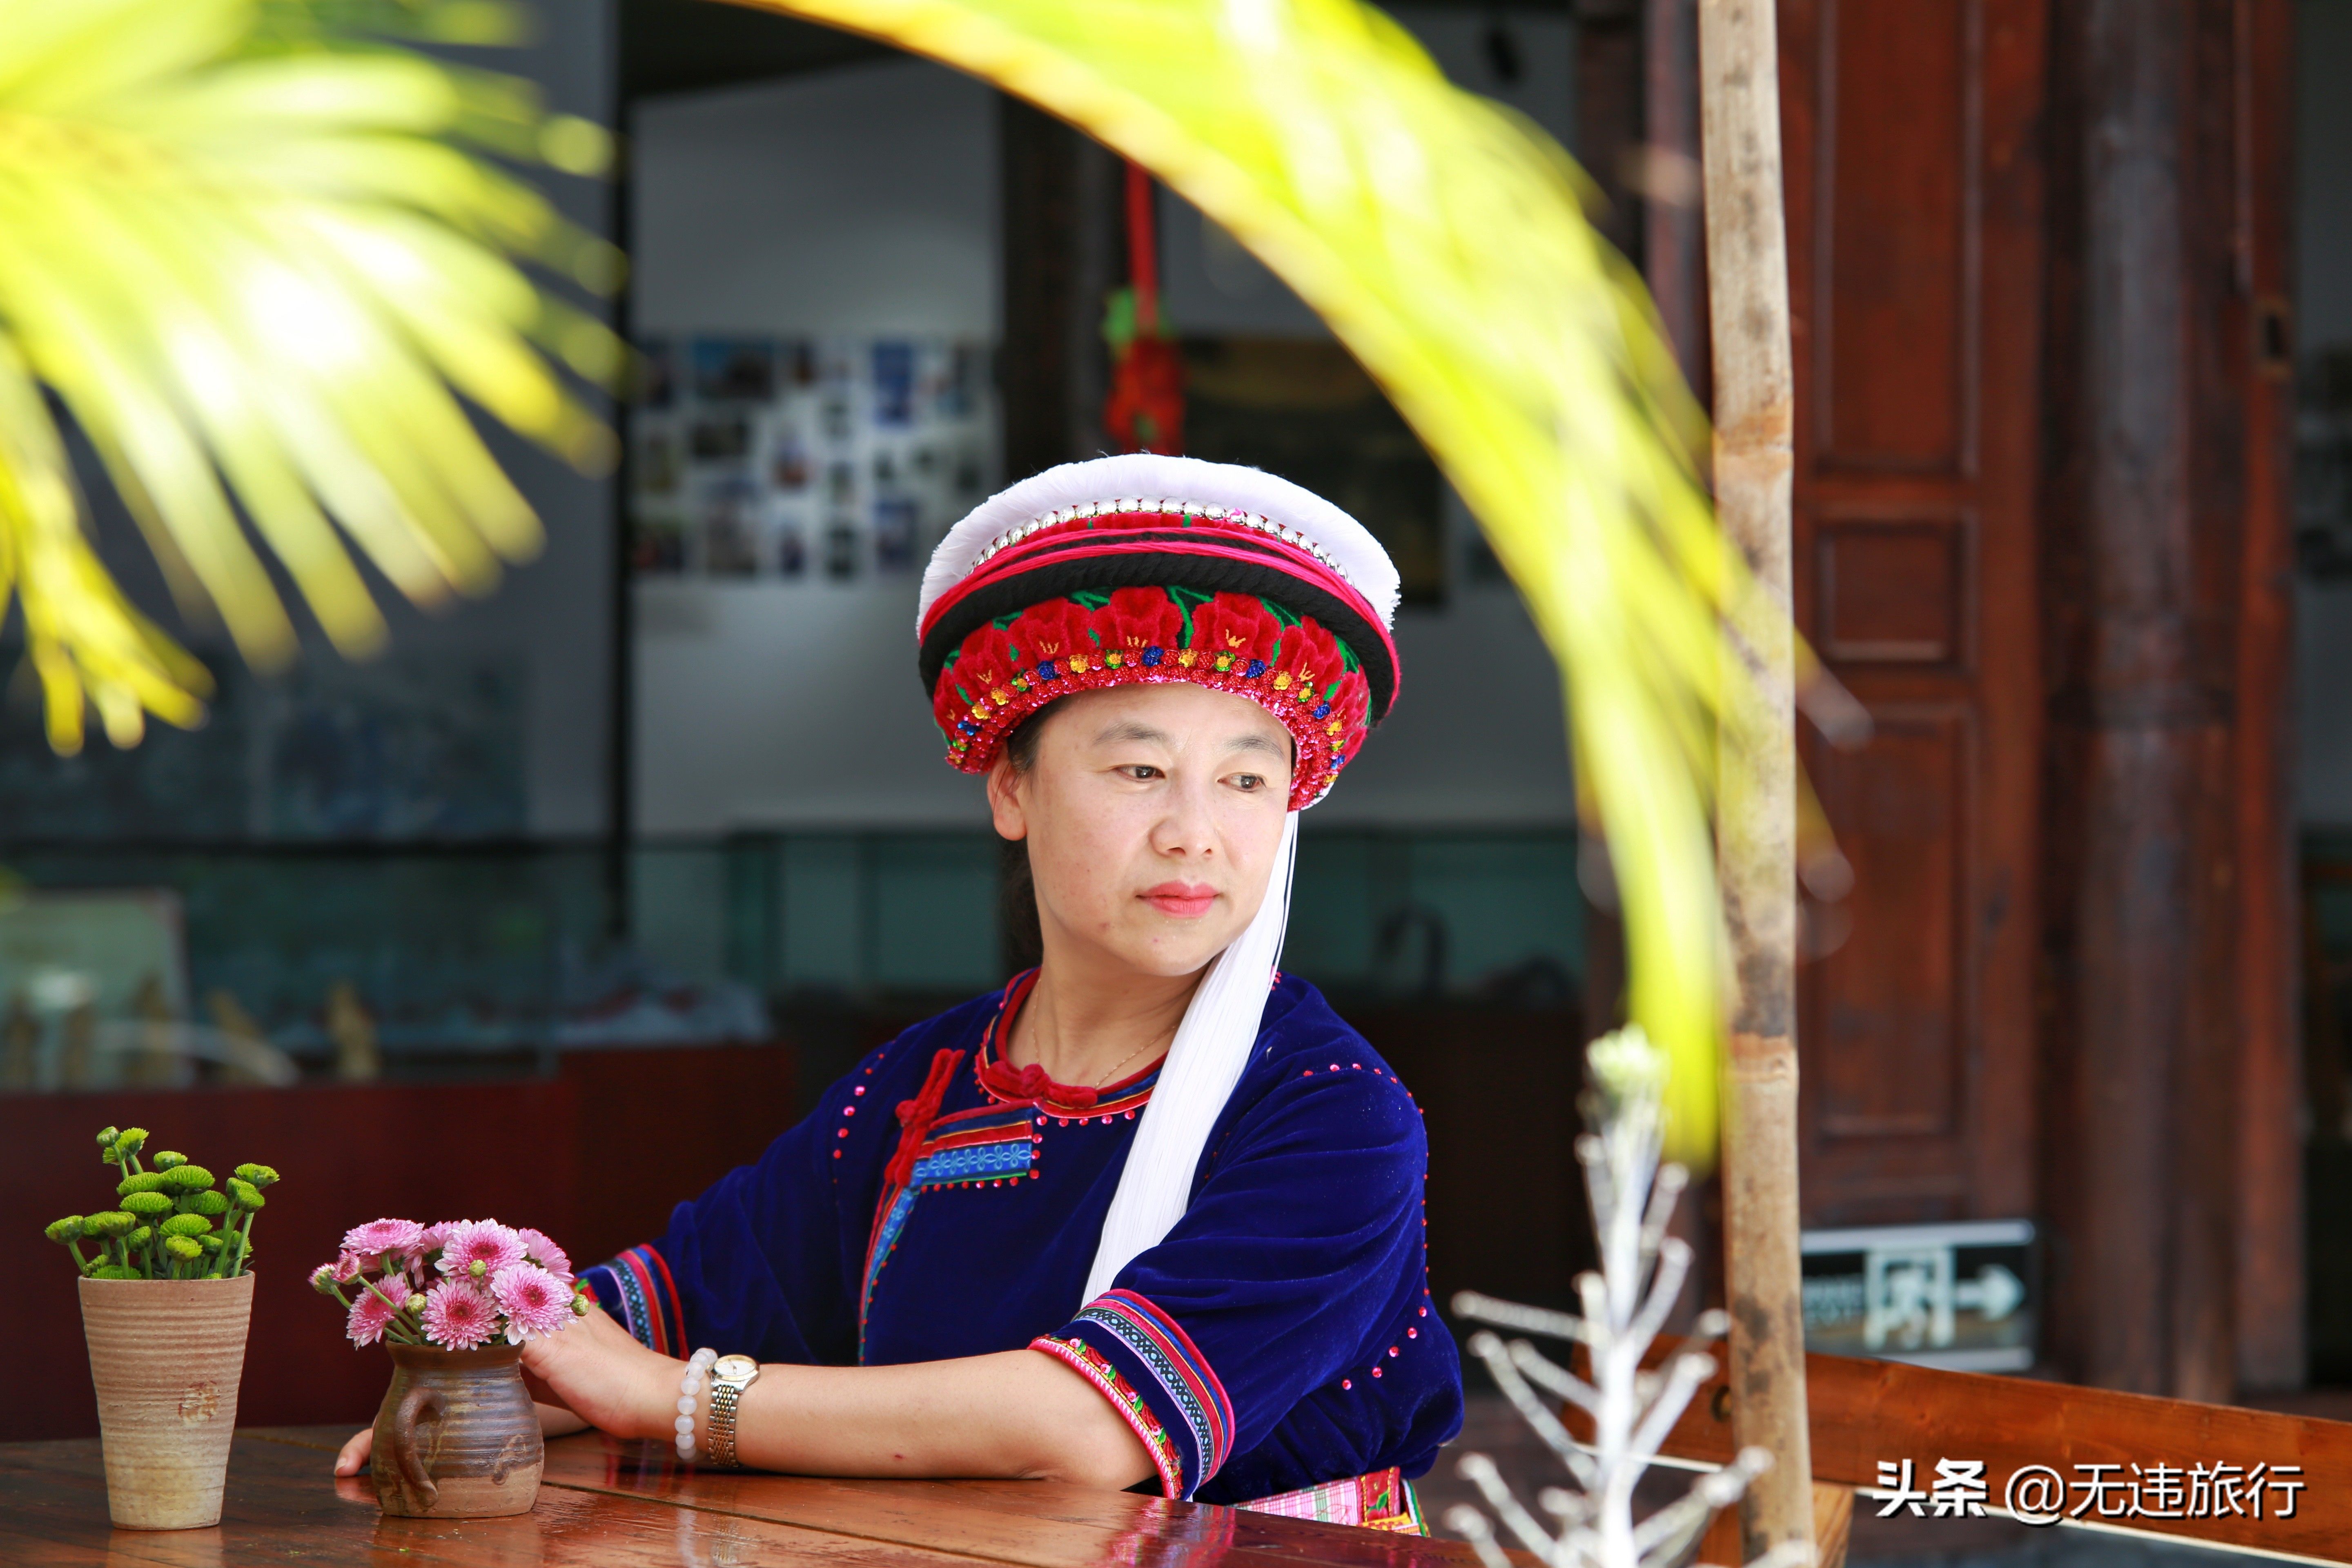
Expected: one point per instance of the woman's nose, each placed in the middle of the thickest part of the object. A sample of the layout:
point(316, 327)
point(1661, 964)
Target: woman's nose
point(1189, 828)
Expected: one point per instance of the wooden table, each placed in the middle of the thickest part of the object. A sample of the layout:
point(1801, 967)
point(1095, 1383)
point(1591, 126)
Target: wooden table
point(622, 1505)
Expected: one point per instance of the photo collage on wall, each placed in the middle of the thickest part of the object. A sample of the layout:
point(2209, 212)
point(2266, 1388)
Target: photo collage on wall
point(834, 459)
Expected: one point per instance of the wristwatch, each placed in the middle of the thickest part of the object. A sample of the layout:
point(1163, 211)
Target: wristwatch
point(730, 1376)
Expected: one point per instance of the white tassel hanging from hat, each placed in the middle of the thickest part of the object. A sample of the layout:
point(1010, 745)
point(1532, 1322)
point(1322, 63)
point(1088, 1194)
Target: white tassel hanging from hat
point(1213, 1047)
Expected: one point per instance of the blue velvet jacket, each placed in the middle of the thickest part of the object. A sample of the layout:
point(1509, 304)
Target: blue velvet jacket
point(938, 1203)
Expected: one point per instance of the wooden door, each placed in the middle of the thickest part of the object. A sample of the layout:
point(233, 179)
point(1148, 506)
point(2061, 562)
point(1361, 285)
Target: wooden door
point(1913, 170)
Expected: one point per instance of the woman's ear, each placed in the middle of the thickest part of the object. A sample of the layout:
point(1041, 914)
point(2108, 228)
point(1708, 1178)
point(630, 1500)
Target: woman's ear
point(1005, 805)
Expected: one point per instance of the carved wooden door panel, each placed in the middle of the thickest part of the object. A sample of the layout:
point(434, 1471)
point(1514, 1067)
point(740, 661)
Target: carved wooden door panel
point(1913, 171)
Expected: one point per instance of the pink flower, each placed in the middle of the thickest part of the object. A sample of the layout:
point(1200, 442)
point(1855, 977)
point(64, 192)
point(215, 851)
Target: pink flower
point(535, 1301)
point(546, 1254)
point(379, 1236)
point(458, 1316)
point(432, 1237)
point(372, 1313)
point(484, 1241)
point(346, 1268)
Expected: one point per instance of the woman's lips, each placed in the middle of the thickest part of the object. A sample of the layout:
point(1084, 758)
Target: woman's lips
point(1186, 900)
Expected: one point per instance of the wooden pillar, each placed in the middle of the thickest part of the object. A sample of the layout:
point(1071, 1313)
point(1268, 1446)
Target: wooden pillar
point(2173, 1155)
point(2266, 1217)
point(1755, 814)
point(2126, 753)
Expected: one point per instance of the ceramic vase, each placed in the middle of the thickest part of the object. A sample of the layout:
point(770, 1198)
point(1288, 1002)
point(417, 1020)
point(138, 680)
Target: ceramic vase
point(456, 1436)
point(166, 1356)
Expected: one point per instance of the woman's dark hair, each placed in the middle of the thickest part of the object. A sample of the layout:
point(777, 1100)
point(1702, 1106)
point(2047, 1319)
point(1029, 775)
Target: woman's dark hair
point(1021, 746)
point(1021, 936)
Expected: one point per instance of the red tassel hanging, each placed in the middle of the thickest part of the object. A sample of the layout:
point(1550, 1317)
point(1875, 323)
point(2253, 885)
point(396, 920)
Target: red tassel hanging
point(1145, 412)
point(916, 1115)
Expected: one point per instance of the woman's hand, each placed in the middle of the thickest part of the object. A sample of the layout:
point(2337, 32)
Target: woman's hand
point(597, 1369)
point(554, 1421)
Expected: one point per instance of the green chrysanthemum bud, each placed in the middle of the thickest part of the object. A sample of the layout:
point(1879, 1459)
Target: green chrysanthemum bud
point(130, 1139)
point(414, 1305)
point(186, 1224)
point(579, 1306)
point(144, 1181)
point(168, 1159)
point(207, 1203)
point(259, 1176)
point(140, 1237)
point(62, 1231)
point(147, 1206)
point(244, 1194)
point(109, 1225)
point(212, 1242)
point(186, 1178)
point(183, 1248)
point(478, 1270)
point(115, 1271)
point(106, 1150)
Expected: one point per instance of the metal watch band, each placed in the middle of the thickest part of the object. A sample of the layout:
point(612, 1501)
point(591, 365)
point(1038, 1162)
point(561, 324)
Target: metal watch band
point(730, 1376)
point(723, 1398)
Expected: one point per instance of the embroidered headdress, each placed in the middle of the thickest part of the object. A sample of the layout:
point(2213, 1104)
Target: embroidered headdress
point(1140, 569)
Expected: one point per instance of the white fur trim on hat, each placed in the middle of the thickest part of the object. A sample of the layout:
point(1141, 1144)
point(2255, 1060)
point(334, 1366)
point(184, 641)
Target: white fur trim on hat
point(1154, 478)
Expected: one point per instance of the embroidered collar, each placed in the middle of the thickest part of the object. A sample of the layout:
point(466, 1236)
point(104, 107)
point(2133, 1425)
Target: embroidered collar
point(1030, 1086)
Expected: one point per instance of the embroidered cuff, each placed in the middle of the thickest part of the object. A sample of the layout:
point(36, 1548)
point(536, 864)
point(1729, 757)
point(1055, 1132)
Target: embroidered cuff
point(636, 1287)
point(1158, 1381)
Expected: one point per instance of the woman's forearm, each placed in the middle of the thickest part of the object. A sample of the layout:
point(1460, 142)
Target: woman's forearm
point(1018, 1415)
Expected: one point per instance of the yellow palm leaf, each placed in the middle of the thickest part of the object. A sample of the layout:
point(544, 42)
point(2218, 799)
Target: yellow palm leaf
point(259, 268)
point(1443, 240)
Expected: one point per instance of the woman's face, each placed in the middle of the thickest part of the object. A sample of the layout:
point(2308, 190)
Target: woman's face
point(1153, 814)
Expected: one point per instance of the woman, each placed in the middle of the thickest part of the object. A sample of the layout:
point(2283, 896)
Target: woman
point(1144, 1216)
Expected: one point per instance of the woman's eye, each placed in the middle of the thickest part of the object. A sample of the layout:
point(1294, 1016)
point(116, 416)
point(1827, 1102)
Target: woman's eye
point(1140, 772)
point(1248, 781)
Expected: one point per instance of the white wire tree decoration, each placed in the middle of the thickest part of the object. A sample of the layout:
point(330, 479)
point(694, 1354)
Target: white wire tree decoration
point(1642, 1270)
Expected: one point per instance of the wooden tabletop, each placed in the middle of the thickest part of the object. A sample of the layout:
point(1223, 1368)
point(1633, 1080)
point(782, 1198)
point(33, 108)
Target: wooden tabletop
point(620, 1505)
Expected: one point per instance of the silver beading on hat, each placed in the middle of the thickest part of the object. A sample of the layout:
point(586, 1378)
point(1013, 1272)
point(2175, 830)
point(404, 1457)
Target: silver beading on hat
point(1165, 507)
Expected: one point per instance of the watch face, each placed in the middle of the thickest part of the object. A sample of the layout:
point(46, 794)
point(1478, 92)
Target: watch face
point(736, 1368)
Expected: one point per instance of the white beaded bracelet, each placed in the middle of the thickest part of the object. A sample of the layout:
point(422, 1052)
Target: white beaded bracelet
point(688, 1391)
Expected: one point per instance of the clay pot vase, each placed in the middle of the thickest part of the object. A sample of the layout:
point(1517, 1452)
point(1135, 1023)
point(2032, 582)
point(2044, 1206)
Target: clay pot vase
point(166, 1356)
point(456, 1436)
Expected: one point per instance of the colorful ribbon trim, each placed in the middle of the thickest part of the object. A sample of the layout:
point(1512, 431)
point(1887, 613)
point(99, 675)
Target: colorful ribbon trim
point(1161, 1349)
point(1087, 1362)
point(650, 1308)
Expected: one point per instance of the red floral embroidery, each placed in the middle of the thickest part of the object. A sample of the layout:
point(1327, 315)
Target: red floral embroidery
point(1138, 619)
point(1054, 632)
point(987, 663)
point(1309, 668)
point(1345, 722)
point(1233, 630)
point(949, 708)
point(1295, 671)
